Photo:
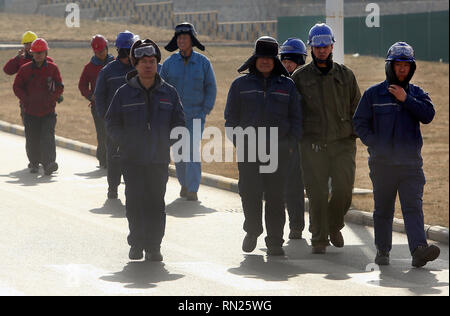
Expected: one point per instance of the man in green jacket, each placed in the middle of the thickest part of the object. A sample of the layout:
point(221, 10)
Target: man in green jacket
point(330, 95)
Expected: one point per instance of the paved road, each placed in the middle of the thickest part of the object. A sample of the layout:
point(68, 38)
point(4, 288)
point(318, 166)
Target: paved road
point(60, 236)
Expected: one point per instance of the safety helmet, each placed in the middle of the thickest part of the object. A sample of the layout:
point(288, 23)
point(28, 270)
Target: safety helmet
point(28, 37)
point(126, 39)
point(143, 48)
point(401, 51)
point(293, 46)
point(39, 45)
point(99, 43)
point(320, 35)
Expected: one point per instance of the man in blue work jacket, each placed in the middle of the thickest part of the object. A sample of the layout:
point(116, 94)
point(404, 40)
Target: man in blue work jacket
point(111, 78)
point(263, 100)
point(388, 121)
point(140, 119)
point(192, 75)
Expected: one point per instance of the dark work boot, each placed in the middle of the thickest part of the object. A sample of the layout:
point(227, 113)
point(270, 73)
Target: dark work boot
point(424, 254)
point(295, 234)
point(192, 196)
point(153, 255)
point(275, 251)
point(112, 194)
point(382, 258)
point(50, 168)
point(249, 243)
point(337, 239)
point(136, 253)
point(183, 192)
point(34, 168)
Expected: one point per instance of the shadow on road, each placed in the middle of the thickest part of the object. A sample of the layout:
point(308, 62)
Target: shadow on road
point(183, 208)
point(142, 275)
point(25, 178)
point(95, 174)
point(114, 207)
point(350, 263)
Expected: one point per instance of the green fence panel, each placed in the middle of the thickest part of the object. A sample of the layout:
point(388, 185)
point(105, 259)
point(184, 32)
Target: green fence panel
point(427, 32)
point(296, 26)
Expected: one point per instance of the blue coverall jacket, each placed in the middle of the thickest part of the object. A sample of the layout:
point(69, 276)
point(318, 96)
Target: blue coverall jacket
point(141, 122)
point(390, 128)
point(194, 81)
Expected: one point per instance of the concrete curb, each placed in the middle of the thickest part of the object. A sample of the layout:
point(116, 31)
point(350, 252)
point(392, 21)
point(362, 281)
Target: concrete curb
point(435, 233)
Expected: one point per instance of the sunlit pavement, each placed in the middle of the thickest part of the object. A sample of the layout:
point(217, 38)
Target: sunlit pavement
point(61, 236)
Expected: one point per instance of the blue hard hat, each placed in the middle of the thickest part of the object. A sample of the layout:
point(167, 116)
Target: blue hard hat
point(126, 39)
point(401, 51)
point(320, 35)
point(293, 46)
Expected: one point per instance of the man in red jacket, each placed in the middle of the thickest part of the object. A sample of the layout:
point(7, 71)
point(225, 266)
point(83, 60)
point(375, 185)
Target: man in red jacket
point(38, 85)
point(86, 86)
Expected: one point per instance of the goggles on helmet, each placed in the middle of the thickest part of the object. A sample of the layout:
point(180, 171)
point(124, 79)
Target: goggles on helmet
point(321, 40)
point(148, 51)
point(401, 52)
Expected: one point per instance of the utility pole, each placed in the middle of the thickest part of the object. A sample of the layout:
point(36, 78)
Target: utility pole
point(335, 19)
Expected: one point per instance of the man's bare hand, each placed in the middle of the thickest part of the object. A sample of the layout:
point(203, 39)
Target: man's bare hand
point(21, 52)
point(398, 92)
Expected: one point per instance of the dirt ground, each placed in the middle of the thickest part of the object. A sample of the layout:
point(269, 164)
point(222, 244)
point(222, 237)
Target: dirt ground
point(55, 29)
point(74, 118)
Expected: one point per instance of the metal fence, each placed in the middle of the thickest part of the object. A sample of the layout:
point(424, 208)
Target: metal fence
point(427, 32)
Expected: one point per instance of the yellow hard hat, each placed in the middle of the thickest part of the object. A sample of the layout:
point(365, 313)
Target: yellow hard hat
point(28, 37)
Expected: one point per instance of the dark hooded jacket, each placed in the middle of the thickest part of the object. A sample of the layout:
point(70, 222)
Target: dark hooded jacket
point(141, 120)
point(390, 128)
point(255, 101)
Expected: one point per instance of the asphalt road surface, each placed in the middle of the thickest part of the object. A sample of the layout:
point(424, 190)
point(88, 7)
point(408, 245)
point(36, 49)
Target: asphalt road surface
point(59, 235)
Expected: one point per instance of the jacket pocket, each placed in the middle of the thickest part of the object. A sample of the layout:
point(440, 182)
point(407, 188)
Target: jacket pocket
point(132, 113)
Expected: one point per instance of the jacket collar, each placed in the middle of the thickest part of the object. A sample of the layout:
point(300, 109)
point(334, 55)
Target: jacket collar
point(317, 70)
point(44, 64)
point(132, 81)
point(98, 62)
point(193, 58)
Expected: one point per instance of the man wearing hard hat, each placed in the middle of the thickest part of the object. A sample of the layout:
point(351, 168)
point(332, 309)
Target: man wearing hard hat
point(38, 85)
point(86, 85)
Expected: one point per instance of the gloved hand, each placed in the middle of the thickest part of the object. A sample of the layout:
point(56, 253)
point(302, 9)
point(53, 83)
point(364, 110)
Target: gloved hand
point(60, 99)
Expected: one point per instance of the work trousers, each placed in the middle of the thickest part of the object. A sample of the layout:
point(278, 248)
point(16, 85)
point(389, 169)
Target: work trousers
point(114, 173)
point(40, 138)
point(145, 188)
point(189, 173)
point(409, 183)
point(294, 194)
point(100, 128)
point(253, 185)
point(320, 163)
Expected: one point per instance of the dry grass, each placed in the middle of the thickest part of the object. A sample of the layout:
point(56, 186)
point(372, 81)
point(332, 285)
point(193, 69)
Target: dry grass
point(74, 120)
point(55, 29)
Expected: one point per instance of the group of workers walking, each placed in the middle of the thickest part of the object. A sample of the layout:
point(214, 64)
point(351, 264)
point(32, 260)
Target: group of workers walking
point(316, 108)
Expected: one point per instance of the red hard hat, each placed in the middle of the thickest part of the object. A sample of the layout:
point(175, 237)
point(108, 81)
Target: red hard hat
point(39, 45)
point(99, 43)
